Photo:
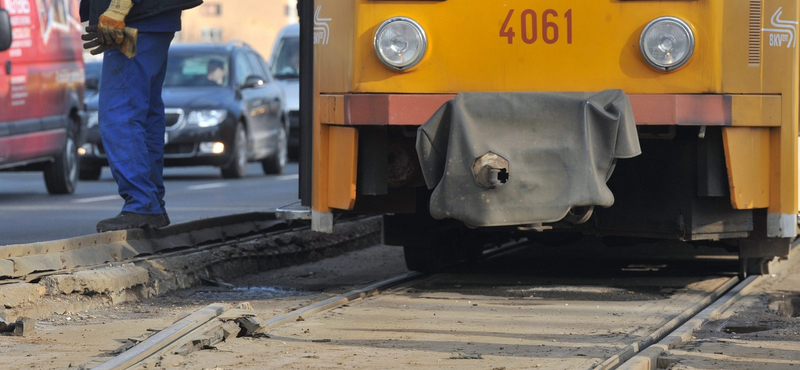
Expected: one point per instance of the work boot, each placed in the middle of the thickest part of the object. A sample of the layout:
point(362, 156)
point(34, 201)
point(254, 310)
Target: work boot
point(130, 220)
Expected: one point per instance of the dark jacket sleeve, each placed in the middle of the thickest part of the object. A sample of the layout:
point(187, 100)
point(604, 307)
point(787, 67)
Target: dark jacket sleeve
point(141, 8)
point(84, 10)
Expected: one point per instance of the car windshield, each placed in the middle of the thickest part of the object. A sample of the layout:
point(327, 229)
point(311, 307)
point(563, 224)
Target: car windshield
point(287, 59)
point(196, 69)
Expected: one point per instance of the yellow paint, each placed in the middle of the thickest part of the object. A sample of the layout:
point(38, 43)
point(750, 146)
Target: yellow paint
point(467, 53)
point(331, 109)
point(343, 159)
point(756, 110)
point(747, 155)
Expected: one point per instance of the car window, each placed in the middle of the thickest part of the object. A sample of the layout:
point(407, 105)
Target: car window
point(258, 65)
point(92, 75)
point(243, 68)
point(197, 69)
point(287, 58)
point(93, 70)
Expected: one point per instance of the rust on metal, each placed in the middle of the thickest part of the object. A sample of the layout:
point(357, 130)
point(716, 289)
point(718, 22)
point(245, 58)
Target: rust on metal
point(392, 109)
point(648, 109)
point(490, 170)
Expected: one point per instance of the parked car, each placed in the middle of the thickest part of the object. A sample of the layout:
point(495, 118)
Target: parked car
point(92, 80)
point(285, 63)
point(41, 90)
point(91, 163)
point(226, 123)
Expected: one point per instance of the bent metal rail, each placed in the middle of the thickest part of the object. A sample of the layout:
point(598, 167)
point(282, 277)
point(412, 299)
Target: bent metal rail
point(637, 355)
point(28, 262)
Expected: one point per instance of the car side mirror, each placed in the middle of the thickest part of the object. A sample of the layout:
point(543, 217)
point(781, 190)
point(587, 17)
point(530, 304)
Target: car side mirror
point(253, 81)
point(5, 30)
point(92, 84)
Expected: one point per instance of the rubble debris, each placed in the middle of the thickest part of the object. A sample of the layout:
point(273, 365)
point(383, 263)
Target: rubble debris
point(249, 325)
point(236, 313)
point(466, 356)
point(23, 327)
point(216, 282)
point(245, 306)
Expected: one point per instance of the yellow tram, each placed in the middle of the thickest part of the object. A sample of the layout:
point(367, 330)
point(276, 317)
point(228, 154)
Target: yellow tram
point(467, 121)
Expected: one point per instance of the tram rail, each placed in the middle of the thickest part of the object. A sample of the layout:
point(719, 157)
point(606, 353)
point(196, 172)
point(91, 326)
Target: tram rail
point(645, 353)
point(137, 264)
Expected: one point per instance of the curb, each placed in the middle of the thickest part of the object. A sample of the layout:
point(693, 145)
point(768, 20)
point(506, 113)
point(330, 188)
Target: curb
point(134, 279)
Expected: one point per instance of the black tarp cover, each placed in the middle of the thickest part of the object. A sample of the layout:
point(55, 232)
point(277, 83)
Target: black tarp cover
point(561, 149)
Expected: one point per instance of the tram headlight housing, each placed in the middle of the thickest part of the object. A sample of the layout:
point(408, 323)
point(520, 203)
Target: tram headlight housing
point(400, 43)
point(667, 43)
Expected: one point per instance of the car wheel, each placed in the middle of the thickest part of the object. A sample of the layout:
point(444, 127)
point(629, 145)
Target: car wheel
point(91, 173)
point(276, 162)
point(61, 175)
point(238, 164)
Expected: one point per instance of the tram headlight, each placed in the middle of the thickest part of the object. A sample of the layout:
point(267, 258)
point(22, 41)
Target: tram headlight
point(400, 43)
point(667, 43)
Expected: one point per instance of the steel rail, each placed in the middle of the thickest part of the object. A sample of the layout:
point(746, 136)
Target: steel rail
point(636, 356)
point(182, 239)
point(644, 354)
point(631, 350)
point(18, 263)
point(648, 358)
point(159, 343)
point(153, 345)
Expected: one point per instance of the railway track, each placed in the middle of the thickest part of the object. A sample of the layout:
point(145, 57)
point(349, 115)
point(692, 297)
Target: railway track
point(115, 267)
point(643, 352)
point(227, 247)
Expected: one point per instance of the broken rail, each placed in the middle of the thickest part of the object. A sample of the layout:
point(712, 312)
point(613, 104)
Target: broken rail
point(133, 265)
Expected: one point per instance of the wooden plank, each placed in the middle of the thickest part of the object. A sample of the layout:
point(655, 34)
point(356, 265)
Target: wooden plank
point(165, 337)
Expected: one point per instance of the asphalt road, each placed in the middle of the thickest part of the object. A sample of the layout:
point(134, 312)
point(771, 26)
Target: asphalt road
point(29, 214)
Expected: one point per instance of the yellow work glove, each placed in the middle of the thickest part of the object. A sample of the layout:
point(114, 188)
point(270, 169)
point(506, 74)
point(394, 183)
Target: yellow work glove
point(110, 29)
point(127, 47)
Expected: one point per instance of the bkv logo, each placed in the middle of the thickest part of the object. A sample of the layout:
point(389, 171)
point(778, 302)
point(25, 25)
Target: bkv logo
point(322, 32)
point(783, 32)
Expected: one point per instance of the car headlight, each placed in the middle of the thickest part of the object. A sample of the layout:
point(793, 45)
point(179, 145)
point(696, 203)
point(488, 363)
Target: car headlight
point(207, 118)
point(93, 119)
point(667, 43)
point(400, 43)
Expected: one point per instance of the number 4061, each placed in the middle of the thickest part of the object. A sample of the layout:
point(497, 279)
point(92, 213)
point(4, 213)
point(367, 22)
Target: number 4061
point(532, 26)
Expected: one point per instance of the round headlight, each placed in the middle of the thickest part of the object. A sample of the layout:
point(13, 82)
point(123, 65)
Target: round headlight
point(400, 43)
point(667, 43)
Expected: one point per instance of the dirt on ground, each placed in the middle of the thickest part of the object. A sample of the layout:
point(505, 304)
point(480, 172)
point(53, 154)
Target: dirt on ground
point(760, 332)
point(498, 319)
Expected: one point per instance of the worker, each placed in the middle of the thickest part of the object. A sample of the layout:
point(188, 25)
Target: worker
point(134, 36)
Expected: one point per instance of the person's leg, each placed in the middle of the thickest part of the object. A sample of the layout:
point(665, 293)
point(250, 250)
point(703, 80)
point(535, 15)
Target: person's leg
point(155, 124)
point(125, 96)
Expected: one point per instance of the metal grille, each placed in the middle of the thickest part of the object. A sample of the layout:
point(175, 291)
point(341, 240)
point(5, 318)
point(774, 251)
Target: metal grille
point(172, 119)
point(754, 46)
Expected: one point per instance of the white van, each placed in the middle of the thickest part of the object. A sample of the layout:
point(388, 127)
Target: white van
point(285, 65)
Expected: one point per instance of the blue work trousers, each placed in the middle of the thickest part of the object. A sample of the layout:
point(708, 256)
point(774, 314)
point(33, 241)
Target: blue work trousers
point(132, 123)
